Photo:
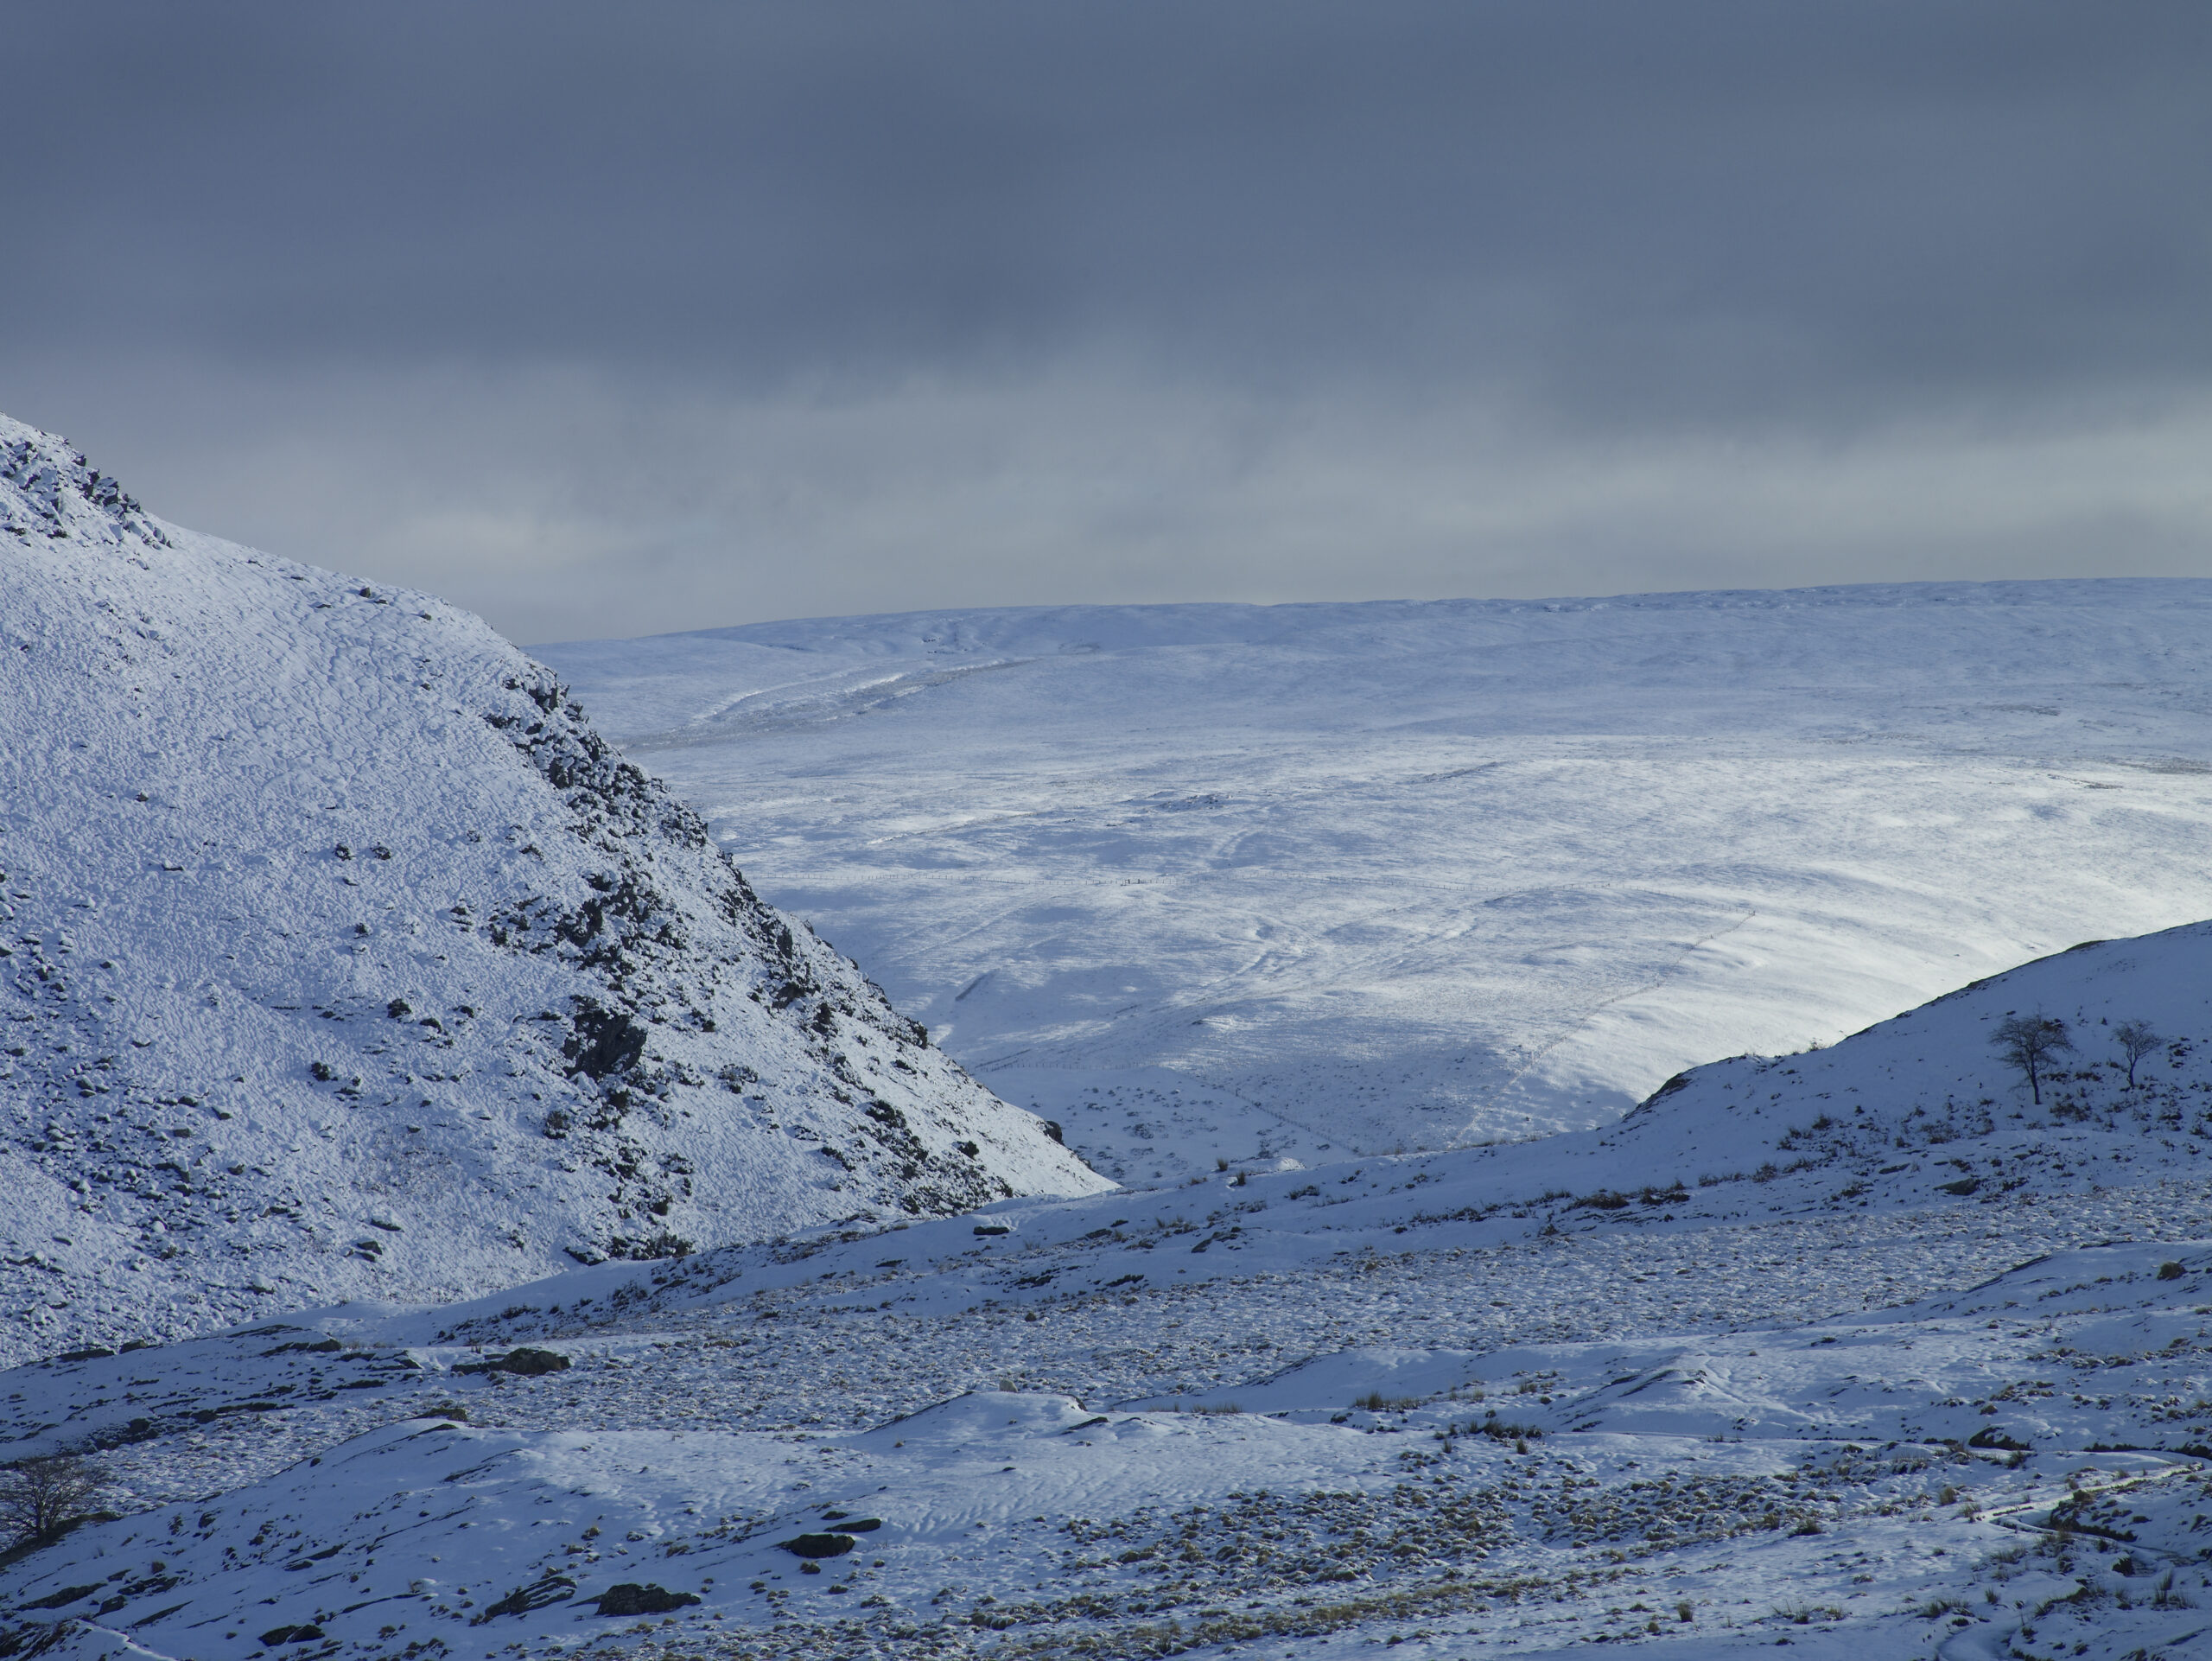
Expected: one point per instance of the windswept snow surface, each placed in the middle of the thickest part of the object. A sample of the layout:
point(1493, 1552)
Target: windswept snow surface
point(338, 957)
point(1318, 881)
point(1863, 1349)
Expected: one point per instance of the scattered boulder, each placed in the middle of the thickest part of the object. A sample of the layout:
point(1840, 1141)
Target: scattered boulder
point(525, 1363)
point(631, 1599)
point(819, 1545)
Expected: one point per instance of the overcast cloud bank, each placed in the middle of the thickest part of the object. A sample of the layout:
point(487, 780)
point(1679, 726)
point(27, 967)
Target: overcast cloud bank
point(699, 314)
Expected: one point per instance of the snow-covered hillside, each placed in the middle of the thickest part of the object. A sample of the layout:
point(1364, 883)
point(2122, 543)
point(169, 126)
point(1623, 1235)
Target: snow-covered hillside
point(1925, 1105)
point(340, 956)
point(1327, 879)
point(1933, 1377)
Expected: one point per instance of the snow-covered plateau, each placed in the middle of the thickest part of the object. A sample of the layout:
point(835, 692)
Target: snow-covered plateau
point(1407, 876)
point(1882, 1348)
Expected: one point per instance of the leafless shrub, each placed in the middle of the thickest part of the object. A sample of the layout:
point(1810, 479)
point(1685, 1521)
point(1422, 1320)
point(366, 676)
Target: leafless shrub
point(2032, 1043)
point(41, 1496)
point(2135, 1040)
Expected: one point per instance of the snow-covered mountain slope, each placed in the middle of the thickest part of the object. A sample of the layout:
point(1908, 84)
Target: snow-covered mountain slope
point(340, 956)
point(1945, 1386)
point(1330, 880)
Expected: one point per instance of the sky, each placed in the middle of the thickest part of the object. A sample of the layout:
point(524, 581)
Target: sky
point(605, 321)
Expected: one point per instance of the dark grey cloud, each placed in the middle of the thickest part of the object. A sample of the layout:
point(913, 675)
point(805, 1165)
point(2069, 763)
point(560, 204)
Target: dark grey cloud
point(593, 313)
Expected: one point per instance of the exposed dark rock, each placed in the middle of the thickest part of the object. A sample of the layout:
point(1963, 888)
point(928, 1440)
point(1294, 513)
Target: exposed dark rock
point(554, 1588)
point(819, 1545)
point(606, 1042)
point(525, 1362)
point(631, 1599)
point(65, 1595)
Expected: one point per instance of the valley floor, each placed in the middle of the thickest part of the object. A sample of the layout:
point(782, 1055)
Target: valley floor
point(1502, 1434)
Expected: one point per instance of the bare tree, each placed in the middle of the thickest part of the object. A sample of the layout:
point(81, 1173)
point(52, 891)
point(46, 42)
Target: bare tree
point(2136, 1042)
point(2029, 1042)
point(39, 1496)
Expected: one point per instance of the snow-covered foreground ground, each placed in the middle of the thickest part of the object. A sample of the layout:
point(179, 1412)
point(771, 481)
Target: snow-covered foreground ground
point(1865, 1348)
point(1815, 1481)
point(1350, 878)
